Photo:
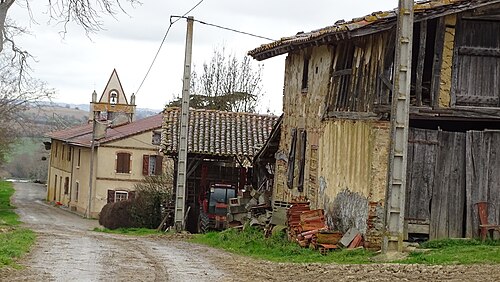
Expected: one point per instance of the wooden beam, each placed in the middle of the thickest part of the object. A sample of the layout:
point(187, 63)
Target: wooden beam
point(438, 59)
point(421, 62)
point(353, 115)
point(478, 51)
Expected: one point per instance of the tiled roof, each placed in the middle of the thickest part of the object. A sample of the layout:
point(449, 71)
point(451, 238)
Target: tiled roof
point(218, 133)
point(368, 24)
point(82, 135)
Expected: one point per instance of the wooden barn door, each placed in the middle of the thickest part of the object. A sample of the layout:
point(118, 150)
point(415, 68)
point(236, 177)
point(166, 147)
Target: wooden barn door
point(436, 182)
point(422, 153)
point(483, 177)
point(448, 195)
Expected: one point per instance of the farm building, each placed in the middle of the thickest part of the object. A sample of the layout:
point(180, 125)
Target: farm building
point(221, 146)
point(335, 133)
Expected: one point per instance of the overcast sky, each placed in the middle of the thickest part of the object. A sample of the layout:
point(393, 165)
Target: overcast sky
point(76, 65)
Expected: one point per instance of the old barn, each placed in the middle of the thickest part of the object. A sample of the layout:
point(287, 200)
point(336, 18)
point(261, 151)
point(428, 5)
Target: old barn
point(337, 105)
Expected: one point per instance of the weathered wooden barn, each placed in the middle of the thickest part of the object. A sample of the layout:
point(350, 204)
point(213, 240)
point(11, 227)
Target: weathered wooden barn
point(337, 104)
point(221, 147)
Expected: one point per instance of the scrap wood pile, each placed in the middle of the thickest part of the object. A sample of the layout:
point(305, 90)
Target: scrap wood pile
point(309, 229)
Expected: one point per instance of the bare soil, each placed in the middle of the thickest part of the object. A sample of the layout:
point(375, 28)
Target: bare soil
point(67, 250)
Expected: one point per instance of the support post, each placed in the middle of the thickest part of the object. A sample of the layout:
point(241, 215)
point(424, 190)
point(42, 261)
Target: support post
point(396, 187)
point(180, 192)
point(91, 174)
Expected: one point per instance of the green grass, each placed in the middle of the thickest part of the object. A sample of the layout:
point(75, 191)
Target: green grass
point(251, 242)
point(453, 251)
point(128, 231)
point(14, 241)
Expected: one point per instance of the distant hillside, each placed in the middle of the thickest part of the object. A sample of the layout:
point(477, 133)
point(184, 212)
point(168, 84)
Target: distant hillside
point(46, 116)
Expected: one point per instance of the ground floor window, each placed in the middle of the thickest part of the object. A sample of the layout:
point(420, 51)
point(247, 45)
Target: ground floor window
point(121, 196)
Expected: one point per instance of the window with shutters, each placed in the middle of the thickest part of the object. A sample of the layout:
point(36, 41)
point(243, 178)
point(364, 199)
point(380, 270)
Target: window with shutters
point(121, 196)
point(301, 156)
point(291, 159)
point(151, 165)
point(123, 162)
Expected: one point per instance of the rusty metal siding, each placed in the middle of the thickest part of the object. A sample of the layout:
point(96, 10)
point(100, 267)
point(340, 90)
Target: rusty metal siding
point(353, 175)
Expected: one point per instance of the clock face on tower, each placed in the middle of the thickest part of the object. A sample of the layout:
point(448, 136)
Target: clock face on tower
point(113, 97)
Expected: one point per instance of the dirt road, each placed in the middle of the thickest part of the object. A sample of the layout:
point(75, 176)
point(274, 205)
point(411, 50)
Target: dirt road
point(67, 250)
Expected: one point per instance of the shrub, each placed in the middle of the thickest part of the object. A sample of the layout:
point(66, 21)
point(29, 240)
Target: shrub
point(147, 210)
point(118, 215)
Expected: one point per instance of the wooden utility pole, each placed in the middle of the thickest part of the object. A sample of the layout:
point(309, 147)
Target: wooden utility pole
point(180, 192)
point(396, 187)
point(91, 174)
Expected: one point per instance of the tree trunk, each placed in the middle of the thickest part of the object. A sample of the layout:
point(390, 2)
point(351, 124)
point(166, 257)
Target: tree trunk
point(4, 7)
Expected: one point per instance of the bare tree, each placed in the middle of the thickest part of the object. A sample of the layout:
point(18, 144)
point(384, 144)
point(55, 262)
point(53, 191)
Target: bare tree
point(18, 92)
point(227, 83)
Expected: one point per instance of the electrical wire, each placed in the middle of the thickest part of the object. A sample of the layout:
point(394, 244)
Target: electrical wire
point(226, 28)
point(162, 42)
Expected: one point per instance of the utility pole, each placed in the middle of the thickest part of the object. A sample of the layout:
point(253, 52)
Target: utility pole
point(180, 192)
point(396, 187)
point(91, 177)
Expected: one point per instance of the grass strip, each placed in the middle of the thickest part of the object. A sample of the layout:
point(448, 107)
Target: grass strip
point(14, 240)
point(128, 231)
point(251, 242)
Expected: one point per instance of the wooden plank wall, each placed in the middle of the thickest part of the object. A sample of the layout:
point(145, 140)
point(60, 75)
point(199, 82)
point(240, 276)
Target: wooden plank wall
point(448, 195)
point(422, 153)
point(478, 63)
point(483, 177)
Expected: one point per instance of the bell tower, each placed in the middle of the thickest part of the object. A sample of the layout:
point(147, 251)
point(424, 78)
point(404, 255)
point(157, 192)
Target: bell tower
point(113, 105)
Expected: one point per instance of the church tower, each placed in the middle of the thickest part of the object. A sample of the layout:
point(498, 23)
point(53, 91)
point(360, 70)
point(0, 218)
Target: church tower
point(113, 105)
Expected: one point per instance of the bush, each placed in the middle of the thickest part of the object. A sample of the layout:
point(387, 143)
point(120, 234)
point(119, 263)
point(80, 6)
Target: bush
point(147, 210)
point(118, 215)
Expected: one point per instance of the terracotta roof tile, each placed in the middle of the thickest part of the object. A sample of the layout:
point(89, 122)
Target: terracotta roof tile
point(218, 133)
point(342, 29)
point(82, 135)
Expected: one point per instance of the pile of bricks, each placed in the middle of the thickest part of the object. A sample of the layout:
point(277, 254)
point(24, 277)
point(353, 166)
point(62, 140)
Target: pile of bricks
point(308, 228)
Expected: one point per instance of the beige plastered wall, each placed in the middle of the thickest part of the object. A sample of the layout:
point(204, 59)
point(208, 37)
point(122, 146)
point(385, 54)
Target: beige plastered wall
point(445, 79)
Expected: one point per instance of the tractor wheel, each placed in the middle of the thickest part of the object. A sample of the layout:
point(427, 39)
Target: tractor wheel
point(203, 222)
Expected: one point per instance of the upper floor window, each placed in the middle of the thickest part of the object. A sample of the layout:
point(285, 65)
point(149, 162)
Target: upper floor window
point(123, 162)
point(151, 165)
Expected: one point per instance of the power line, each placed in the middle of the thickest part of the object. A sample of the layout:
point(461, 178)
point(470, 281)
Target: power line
point(227, 28)
point(162, 42)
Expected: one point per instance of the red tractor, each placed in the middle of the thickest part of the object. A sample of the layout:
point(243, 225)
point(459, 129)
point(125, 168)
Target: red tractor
point(214, 207)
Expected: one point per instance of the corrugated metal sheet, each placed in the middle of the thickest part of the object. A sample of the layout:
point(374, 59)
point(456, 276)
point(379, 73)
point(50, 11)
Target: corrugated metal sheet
point(218, 133)
point(343, 30)
point(345, 157)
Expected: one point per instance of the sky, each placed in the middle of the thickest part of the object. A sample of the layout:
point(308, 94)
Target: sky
point(76, 64)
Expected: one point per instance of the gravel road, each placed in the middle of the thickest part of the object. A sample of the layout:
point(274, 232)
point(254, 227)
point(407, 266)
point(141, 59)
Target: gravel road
point(67, 250)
